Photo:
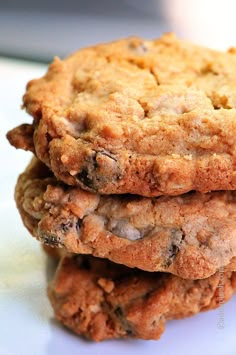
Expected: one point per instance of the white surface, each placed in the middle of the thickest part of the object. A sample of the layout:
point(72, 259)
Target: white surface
point(26, 325)
point(207, 22)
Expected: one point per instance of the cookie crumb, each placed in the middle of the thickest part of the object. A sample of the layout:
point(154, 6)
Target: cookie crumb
point(106, 285)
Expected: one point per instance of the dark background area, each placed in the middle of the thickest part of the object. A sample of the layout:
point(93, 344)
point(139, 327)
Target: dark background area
point(39, 30)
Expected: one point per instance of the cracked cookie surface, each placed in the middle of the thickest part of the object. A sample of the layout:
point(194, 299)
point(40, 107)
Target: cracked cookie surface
point(192, 235)
point(136, 116)
point(102, 300)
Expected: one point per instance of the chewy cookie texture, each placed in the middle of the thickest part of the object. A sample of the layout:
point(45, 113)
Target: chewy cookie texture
point(136, 116)
point(102, 300)
point(192, 235)
point(135, 157)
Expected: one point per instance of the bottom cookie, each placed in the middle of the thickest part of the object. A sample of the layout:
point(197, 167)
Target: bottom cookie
point(102, 300)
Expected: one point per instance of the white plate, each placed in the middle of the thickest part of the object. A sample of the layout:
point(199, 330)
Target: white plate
point(26, 319)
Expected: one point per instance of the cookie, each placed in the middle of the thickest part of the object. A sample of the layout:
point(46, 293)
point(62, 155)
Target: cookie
point(192, 235)
point(102, 300)
point(136, 116)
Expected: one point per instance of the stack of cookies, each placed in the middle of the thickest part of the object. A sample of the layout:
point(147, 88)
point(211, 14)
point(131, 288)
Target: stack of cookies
point(133, 180)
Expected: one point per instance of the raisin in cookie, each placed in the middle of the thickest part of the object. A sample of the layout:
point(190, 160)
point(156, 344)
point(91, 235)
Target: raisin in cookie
point(102, 300)
point(136, 116)
point(191, 235)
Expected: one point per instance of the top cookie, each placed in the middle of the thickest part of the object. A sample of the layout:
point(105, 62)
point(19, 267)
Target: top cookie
point(136, 116)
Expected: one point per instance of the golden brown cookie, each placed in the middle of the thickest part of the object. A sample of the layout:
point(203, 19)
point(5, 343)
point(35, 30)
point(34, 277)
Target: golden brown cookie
point(192, 235)
point(102, 300)
point(136, 116)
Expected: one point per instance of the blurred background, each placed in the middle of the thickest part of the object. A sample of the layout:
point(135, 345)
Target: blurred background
point(39, 30)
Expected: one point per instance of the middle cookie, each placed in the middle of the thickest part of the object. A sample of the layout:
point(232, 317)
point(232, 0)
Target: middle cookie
point(191, 235)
